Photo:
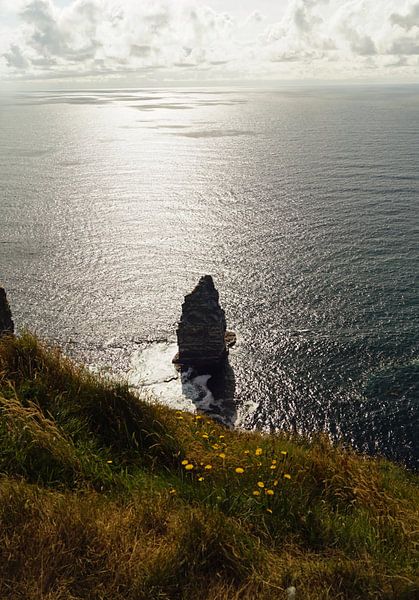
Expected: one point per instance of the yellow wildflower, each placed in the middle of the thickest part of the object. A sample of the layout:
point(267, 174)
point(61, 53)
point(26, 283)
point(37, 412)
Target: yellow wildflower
point(256, 493)
point(208, 467)
point(185, 462)
point(272, 467)
point(287, 476)
point(215, 447)
point(221, 437)
point(205, 436)
point(222, 455)
point(269, 492)
point(246, 452)
point(261, 484)
point(179, 418)
point(276, 482)
point(284, 452)
point(198, 418)
point(189, 467)
point(109, 462)
point(273, 461)
point(172, 491)
point(269, 510)
point(200, 479)
point(239, 470)
point(258, 451)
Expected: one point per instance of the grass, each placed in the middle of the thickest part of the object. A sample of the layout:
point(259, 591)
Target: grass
point(104, 495)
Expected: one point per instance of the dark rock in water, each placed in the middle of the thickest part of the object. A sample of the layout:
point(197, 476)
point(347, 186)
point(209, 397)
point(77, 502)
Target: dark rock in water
point(230, 339)
point(201, 333)
point(6, 322)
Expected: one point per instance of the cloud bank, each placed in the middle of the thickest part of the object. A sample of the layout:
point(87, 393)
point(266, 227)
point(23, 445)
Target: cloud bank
point(187, 40)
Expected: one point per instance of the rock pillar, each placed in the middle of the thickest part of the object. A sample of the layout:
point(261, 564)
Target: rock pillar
point(6, 322)
point(201, 332)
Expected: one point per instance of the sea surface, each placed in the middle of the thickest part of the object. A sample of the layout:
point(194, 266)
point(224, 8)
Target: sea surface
point(302, 203)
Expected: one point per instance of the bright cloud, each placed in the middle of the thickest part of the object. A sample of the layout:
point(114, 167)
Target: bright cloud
point(186, 39)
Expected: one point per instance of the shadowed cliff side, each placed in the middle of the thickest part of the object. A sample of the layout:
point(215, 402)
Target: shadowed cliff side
point(6, 322)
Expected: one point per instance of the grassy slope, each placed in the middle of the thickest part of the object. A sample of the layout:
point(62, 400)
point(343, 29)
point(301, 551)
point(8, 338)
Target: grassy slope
point(96, 503)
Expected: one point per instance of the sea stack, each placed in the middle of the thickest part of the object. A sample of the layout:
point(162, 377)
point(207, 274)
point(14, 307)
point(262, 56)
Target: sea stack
point(6, 322)
point(201, 332)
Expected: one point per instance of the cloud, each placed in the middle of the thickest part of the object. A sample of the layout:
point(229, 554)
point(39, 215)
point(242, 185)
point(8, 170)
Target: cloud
point(405, 46)
point(186, 38)
point(103, 35)
point(15, 59)
point(407, 20)
point(353, 36)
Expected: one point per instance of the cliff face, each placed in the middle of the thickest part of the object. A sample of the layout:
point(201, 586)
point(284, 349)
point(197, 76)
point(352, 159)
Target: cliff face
point(202, 329)
point(6, 322)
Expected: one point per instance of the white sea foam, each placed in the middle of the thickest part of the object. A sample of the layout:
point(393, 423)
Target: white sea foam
point(152, 370)
point(153, 365)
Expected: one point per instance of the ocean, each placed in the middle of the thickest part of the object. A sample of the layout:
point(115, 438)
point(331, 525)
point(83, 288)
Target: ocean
point(302, 203)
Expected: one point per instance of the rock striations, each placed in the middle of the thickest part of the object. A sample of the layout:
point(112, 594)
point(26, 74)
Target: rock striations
point(6, 322)
point(202, 337)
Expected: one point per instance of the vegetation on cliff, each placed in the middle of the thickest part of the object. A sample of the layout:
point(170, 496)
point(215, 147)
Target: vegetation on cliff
point(105, 495)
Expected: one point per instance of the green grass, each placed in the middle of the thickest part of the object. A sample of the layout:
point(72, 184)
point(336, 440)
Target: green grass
point(104, 495)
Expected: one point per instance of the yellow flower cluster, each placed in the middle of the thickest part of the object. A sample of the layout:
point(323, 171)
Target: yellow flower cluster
point(259, 462)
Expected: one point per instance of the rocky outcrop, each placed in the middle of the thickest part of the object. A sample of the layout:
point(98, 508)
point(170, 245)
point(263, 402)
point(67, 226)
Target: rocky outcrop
point(201, 332)
point(6, 322)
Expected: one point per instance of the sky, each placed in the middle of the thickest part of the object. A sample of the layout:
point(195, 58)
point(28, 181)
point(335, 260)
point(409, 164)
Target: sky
point(127, 42)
